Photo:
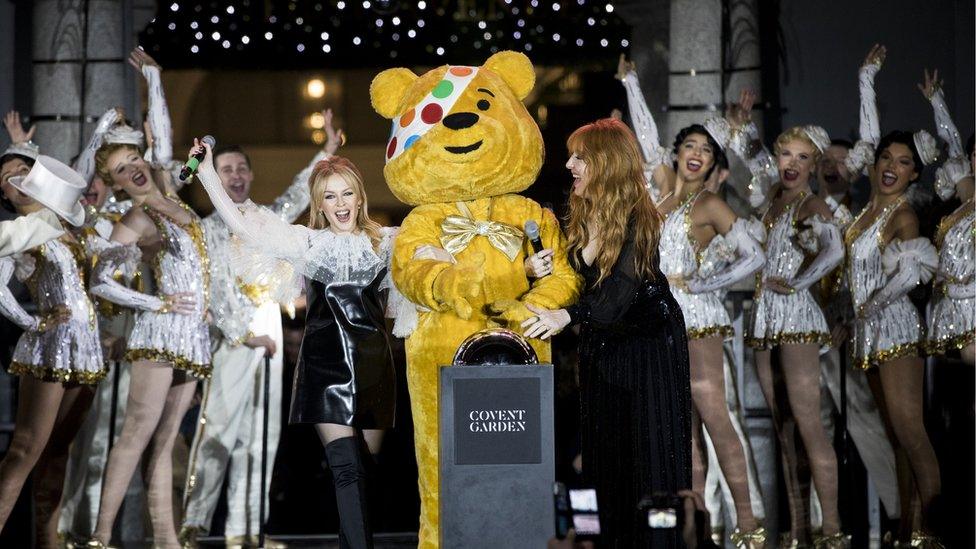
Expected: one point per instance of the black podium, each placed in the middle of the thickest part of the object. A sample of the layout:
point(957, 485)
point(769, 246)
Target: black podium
point(496, 456)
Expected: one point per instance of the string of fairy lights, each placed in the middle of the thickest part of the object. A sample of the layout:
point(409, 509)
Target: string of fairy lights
point(345, 33)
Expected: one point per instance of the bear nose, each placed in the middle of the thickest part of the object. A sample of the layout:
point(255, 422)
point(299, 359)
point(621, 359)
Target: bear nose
point(460, 120)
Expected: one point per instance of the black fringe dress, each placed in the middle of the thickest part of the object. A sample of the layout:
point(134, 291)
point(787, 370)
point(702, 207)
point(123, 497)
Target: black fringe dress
point(635, 393)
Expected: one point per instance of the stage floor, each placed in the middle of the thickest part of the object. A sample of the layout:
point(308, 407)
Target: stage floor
point(397, 540)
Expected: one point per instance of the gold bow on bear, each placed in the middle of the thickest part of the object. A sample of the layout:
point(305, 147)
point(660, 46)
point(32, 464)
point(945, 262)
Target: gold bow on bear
point(457, 231)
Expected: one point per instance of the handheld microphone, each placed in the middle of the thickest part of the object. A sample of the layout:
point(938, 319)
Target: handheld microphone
point(193, 162)
point(532, 232)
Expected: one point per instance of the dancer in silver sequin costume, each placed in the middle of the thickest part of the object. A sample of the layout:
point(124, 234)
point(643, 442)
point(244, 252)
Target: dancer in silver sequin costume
point(169, 346)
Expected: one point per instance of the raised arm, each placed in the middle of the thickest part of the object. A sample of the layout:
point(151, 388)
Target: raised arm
point(295, 199)
point(640, 117)
point(226, 208)
point(261, 229)
point(748, 146)
point(15, 129)
point(869, 126)
point(158, 113)
point(946, 128)
point(85, 164)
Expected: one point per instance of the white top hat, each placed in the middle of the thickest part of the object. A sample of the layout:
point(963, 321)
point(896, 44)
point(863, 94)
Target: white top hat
point(56, 186)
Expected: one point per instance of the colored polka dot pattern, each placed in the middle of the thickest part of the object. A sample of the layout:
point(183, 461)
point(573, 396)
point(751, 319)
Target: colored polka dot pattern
point(443, 89)
point(429, 111)
point(407, 118)
point(432, 113)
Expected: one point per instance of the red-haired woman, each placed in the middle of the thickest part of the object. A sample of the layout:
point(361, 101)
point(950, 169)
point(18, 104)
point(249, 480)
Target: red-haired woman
point(634, 380)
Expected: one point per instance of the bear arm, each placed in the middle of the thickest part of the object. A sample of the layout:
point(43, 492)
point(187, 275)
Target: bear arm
point(415, 277)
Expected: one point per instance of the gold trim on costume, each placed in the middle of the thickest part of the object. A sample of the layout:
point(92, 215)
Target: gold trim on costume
point(789, 338)
point(887, 355)
point(44, 373)
point(725, 331)
point(951, 220)
point(179, 362)
point(943, 345)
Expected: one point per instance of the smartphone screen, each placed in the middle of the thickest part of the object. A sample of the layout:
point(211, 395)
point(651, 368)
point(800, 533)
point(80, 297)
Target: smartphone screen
point(586, 518)
point(662, 518)
point(576, 508)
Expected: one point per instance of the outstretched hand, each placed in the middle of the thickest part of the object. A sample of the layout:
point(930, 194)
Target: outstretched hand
point(623, 67)
point(138, 58)
point(876, 56)
point(932, 84)
point(334, 137)
point(546, 323)
point(15, 129)
point(206, 164)
point(739, 114)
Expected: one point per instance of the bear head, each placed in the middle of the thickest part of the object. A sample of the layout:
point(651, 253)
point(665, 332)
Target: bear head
point(459, 133)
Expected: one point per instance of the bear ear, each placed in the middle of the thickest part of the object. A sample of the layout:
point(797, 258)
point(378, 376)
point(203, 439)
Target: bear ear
point(388, 88)
point(515, 69)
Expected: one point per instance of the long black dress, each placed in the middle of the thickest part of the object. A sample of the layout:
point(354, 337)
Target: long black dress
point(345, 371)
point(635, 394)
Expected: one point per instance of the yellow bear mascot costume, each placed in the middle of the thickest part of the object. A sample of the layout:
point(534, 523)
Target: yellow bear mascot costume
point(462, 143)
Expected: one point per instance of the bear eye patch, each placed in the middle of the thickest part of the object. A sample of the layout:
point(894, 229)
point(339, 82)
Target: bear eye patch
point(483, 104)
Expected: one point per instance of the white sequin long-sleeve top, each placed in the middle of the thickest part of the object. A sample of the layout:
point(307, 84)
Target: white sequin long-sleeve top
point(180, 265)
point(794, 318)
point(951, 323)
point(69, 350)
point(888, 325)
point(708, 269)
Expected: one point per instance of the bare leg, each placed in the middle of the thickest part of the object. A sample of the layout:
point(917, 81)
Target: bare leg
point(902, 382)
point(330, 432)
point(708, 394)
point(37, 412)
point(374, 440)
point(903, 469)
point(159, 465)
point(802, 373)
point(148, 389)
point(785, 432)
point(50, 469)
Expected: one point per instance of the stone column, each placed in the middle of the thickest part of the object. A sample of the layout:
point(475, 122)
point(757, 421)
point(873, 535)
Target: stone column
point(649, 21)
point(78, 69)
point(713, 55)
